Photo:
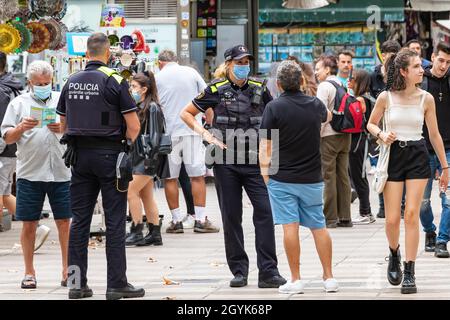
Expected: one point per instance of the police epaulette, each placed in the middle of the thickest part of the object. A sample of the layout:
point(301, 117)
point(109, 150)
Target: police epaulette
point(256, 81)
point(216, 81)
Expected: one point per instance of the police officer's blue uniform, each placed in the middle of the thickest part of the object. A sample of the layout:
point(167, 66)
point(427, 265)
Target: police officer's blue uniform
point(93, 102)
point(233, 109)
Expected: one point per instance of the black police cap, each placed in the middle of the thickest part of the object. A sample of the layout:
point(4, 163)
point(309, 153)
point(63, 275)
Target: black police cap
point(237, 52)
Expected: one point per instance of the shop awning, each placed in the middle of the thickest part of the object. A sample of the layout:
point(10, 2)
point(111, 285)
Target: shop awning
point(444, 23)
point(430, 5)
point(271, 11)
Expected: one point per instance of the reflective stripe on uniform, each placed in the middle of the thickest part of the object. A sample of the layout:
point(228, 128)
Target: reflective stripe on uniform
point(216, 85)
point(110, 73)
point(259, 84)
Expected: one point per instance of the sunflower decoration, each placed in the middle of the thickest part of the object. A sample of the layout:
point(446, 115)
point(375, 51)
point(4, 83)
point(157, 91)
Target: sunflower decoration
point(8, 9)
point(9, 38)
point(25, 35)
point(41, 37)
point(55, 32)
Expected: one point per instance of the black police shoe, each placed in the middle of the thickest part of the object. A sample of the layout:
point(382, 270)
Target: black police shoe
point(394, 271)
point(84, 292)
point(441, 250)
point(430, 241)
point(380, 214)
point(272, 282)
point(238, 281)
point(128, 292)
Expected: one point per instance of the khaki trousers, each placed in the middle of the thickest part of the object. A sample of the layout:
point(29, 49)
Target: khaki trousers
point(337, 192)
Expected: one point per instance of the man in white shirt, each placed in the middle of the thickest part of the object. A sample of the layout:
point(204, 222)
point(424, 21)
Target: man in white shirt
point(40, 167)
point(177, 86)
point(334, 148)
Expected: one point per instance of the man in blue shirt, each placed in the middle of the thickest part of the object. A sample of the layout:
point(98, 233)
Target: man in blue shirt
point(415, 45)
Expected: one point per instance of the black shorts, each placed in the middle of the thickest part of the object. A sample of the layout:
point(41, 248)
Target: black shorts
point(408, 161)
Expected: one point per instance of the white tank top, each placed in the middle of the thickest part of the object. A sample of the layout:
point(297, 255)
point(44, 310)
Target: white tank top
point(406, 120)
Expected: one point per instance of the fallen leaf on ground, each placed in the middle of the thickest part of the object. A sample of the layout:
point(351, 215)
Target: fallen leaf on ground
point(217, 264)
point(151, 260)
point(168, 282)
point(169, 298)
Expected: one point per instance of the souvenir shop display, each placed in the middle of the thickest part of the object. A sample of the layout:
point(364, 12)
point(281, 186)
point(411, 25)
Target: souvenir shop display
point(41, 37)
point(9, 38)
point(307, 44)
point(8, 9)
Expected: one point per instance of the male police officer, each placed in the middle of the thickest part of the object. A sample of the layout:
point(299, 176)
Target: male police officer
point(238, 103)
point(96, 108)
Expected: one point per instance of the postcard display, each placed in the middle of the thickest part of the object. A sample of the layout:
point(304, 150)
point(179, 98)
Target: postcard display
point(308, 44)
point(207, 24)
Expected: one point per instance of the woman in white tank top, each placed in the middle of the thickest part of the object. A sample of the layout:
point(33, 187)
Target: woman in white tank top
point(407, 108)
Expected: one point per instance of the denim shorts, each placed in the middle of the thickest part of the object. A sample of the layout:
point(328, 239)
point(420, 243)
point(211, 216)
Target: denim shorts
point(31, 197)
point(296, 202)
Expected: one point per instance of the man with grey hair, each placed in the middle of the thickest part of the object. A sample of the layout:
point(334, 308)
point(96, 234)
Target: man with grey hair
point(177, 86)
point(296, 186)
point(31, 122)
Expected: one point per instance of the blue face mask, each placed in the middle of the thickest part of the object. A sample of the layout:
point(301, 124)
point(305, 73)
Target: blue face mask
point(136, 96)
point(241, 72)
point(42, 92)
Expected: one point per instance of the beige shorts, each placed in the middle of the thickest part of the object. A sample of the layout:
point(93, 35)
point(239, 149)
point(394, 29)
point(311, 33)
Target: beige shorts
point(7, 168)
point(190, 151)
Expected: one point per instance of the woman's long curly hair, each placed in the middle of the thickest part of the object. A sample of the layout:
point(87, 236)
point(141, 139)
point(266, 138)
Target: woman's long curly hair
point(396, 62)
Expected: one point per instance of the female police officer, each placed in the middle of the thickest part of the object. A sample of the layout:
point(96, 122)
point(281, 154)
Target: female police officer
point(238, 103)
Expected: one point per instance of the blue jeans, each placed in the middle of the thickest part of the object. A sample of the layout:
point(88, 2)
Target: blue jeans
point(426, 212)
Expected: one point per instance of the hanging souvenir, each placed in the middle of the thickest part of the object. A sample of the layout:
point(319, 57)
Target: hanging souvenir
point(8, 9)
point(24, 12)
point(126, 42)
point(41, 37)
point(139, 42)
point(25, 35)
point(55, 32)
point(9, 38)
point(113, 39)
point(63, 41)
point(61, 10)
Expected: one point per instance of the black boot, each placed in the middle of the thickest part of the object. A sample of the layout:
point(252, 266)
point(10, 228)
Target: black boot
point(409, 280)
point(394, 271)
point(153, 236)
point(430, 241)
point(136, 236)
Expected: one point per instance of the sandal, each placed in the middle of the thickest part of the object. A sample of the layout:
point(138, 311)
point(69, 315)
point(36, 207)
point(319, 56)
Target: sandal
point(29, 282)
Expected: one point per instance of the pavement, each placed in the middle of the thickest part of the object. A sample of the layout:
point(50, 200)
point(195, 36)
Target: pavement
point(193, 266)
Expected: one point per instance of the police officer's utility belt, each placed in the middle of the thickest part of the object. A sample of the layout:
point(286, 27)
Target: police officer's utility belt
point(99, 143)
point(233, 120)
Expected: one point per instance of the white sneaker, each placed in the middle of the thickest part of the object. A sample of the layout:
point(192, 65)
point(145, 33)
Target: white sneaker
point(41, 235)
point(292, 287)
point(364, 219)
point(331, 285)
point(188, 222)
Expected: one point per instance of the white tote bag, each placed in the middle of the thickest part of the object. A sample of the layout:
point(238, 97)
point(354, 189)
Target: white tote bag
point(381, 171)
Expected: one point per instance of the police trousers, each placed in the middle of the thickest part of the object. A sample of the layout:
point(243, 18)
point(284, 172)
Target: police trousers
point(229, 180)
point(95, 171)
